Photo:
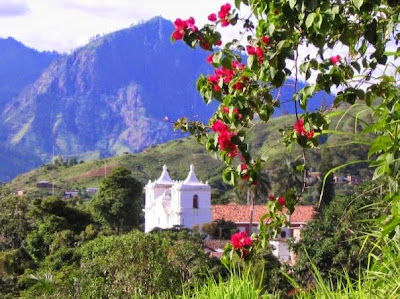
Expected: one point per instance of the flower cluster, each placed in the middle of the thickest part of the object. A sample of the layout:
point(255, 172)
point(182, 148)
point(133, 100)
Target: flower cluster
point(258, 51)
point(187, 27)
point(222, 15)
point(181, 26)
point(301, 131)
point(241, 243)
point(226, 75)
point(335, 59)
point(224, 138)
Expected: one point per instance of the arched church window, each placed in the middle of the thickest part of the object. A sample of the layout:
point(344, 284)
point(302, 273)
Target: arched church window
point(195, 201)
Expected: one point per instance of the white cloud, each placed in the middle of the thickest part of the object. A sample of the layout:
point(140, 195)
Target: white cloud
point(12, 8)
point(63, 25)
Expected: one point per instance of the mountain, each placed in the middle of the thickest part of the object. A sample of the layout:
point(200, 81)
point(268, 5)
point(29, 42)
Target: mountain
point(19, 67)
point(107, 98)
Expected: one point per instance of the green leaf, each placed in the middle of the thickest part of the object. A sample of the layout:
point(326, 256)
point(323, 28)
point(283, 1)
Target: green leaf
point(237, 3)
point(250, 61)
point(310, 19)
point(358, 3)
point(271, 29)
point(227, 63)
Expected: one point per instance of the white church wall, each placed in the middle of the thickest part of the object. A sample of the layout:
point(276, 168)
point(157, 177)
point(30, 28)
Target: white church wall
point(170, 203)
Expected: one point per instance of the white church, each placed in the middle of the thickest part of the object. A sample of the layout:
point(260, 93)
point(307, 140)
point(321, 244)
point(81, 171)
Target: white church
point(185, 203)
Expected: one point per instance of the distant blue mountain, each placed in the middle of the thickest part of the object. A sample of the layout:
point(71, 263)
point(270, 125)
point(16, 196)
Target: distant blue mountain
point(19, 67)
point(104, 99)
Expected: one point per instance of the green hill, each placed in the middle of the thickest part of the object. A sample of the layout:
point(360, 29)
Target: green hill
point(180, 153)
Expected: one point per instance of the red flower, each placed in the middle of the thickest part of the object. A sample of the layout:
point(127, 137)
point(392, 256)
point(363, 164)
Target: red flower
point(335, 59)
point(224, 22)
point(271, 198)
point(281, 201)
point(238, 86)
point(300, 130)
point(181, 26)
point(257, 52)
point(210, 58)
point(218, 43)
point(310, 134)
point(225, 109)
point(219, 126)
point(241, 240)
point(299, 126)
point(224, 11)
point(235, 110)
point(212, 17)
point(251, 50)
point(266, 40)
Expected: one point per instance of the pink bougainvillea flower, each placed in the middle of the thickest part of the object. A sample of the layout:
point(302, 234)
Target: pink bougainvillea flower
point(266, 40)
point(212, 17)
point(181, 26)
point(299, 126)
point(219, 126)
point(251, 50)
point(178, 35)
point(300, 130)
point(225, 109)
point(241, 240)
point(335, 59)
point(209, 59)
point(224, 22)
point(238, 86)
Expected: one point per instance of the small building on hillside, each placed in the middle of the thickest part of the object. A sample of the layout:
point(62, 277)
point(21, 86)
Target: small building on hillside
point(71, 193)
point(21, 192)
point(92, 190)
point(172, 203)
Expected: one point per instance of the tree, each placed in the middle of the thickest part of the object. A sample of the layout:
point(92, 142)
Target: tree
point(119, 201)
point(56, 225)
point(334, 240)
point(14, 221)
point(275, 34)
point(220, 229)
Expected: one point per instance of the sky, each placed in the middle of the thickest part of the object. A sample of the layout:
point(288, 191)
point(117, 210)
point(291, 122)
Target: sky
point(64, 25)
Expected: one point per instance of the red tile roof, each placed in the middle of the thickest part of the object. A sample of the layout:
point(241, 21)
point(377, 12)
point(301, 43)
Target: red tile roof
point(241, 213)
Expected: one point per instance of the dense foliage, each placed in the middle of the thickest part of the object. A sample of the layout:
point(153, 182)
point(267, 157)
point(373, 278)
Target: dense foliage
point(118, 203)
point(336, 239)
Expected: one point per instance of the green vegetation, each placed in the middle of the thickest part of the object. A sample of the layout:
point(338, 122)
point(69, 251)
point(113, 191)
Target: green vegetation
point(179, 154)
point(118, 204)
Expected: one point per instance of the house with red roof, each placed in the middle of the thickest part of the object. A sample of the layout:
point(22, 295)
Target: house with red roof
point(240, 214)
